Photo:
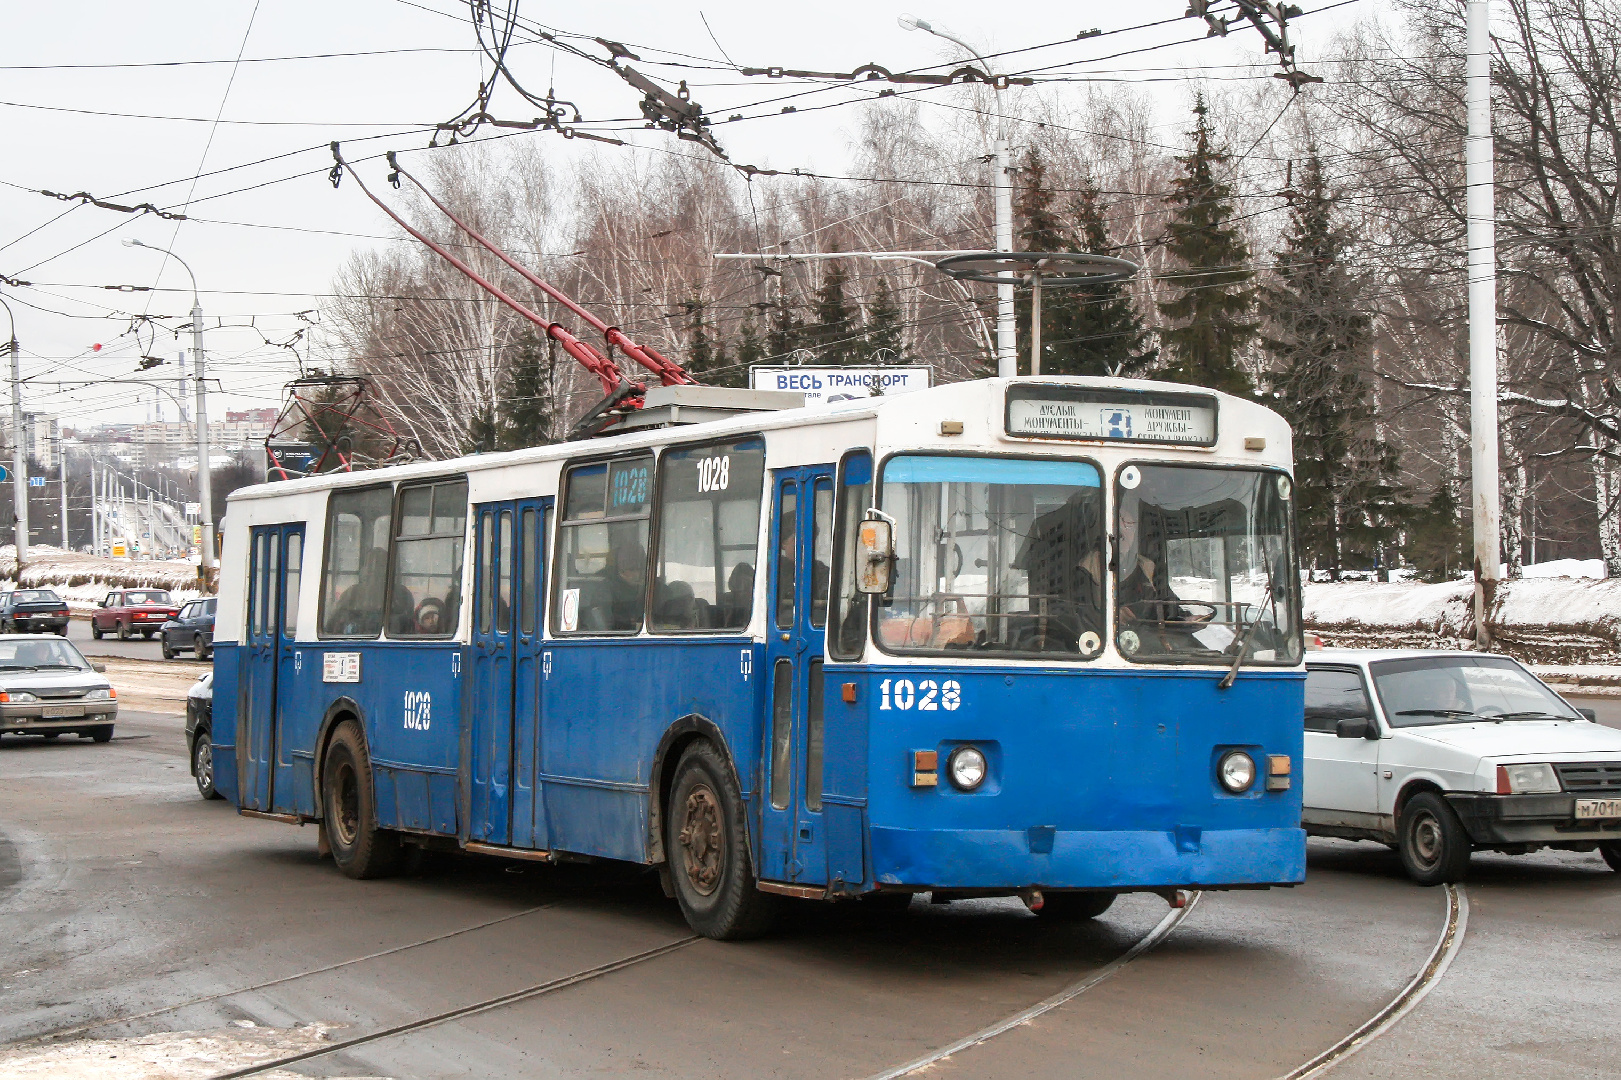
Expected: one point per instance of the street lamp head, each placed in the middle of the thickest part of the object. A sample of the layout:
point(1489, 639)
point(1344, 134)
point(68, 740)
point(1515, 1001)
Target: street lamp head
point(912, 22)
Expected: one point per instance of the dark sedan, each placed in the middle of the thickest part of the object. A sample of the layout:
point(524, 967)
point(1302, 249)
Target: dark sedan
point(200, 734)
point(190, 631)
point(33, 611)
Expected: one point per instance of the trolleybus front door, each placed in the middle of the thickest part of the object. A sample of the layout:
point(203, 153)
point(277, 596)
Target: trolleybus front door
point(268, 648)
point(490, 706)
point(793, 841)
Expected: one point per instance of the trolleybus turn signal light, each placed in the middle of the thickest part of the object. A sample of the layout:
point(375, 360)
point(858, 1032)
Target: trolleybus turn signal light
point(925, 768)
point(1277, 772)
point(848, 692)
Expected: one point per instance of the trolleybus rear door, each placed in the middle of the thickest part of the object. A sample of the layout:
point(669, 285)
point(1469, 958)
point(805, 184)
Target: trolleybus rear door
point(793, 842)
point(283, 792)
point(533, 518)
point(264, 648)
point(489, 721)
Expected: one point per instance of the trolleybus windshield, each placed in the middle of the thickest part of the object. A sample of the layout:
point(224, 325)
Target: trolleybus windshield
point(1202, 554)
point(994, 555)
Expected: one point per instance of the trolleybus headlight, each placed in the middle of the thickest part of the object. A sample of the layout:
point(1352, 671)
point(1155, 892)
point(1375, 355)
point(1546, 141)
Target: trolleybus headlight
point(1236, 771)
point(966, 767)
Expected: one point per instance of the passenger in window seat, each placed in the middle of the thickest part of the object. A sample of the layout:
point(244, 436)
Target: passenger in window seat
point(627, 585)
point(739, 599)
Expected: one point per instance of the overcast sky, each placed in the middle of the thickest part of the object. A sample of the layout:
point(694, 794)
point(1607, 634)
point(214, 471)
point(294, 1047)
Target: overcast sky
point(143, 131)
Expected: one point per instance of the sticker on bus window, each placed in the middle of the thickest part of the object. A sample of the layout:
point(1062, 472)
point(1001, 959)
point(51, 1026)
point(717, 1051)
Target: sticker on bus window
point(340, 667)
point(568, 612)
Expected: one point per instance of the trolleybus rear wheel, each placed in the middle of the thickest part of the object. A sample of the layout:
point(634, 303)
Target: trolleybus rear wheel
point(1075, 906)
point(359, 847)
point(706, 842)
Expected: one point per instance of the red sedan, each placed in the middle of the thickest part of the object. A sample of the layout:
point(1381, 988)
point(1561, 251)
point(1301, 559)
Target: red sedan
point(132, 611)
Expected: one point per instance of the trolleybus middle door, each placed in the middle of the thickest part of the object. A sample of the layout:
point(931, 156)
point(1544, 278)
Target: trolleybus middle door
point(793, 839)
point(529, 827)
point(490, 716)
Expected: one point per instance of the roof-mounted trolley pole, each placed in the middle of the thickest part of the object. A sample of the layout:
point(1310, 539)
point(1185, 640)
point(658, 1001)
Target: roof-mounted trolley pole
point(621, 393)
point(669, 372)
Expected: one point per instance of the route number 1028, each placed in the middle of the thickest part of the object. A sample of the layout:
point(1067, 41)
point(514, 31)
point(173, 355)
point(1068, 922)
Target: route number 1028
point(926, 695)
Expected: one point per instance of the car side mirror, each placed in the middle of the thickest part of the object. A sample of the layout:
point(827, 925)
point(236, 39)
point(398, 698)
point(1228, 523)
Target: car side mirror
point(102, 668)
point(875, 555)
point(1359, 728)
point(1590, 714)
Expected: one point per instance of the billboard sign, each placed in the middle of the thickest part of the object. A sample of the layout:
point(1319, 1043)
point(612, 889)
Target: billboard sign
point(825, 384)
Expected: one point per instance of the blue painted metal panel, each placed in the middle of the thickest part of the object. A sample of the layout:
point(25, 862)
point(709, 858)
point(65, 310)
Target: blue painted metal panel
point(227, 663)
point(1100, 778)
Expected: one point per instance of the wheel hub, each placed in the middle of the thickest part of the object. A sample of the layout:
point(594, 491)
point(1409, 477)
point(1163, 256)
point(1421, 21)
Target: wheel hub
point(348, 805)
point(1427, 839)
point(205, 764)
point(702, 839)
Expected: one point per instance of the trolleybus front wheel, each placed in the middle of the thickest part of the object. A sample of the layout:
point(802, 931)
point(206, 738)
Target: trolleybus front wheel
point(706, 843)
point(1074, 906)
point(359, 847)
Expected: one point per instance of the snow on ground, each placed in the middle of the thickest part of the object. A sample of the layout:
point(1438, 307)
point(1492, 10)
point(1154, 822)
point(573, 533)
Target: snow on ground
point(170, 1055)
point(1574, 568)
point(82, 580)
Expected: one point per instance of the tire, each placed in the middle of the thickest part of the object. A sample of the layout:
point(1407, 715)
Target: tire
point(62, 631)
point(104, 733)
point(349, 813)
point(49, 735)
point(6, 627)
point(95, 630)
point(123, 631)
point(1075, 906)
point(168, 651)
point(199, 650)
point(146, 635)
point(202, 765)
point(1611, 850)
point(706, 843)
point(1433, 844)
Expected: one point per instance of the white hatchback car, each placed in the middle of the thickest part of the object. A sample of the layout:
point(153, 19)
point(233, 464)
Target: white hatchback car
point(1439, 754)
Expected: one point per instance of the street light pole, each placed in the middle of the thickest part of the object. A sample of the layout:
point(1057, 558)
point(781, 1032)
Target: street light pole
point(1481, 232)
point(19, 453)
point(205, 482)
point(1007, 355)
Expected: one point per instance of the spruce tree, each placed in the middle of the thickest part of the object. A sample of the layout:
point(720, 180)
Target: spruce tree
point(706, 354)
point(886, 338)
point(528, 398)
point(833, 331)
point(1320, 342)
point(1213, 299)
point(787, 333)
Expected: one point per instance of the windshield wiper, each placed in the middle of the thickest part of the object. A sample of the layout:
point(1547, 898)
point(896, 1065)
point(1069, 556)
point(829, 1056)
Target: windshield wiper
point(1530, 714)
point(1244, 643)
point(1436, 712)
point(65, 667)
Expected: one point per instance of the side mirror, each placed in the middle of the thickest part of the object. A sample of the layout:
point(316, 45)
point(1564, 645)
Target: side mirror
point(875, 555)
point(1360, 728)
point(102, 668)
point(1590, 714)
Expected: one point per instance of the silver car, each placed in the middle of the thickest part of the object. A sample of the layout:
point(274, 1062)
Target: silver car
point(48, 688)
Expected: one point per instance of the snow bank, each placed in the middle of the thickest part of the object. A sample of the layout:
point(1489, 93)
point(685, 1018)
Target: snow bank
point(1574, 568)
point(82, 580)
point(1545, 620)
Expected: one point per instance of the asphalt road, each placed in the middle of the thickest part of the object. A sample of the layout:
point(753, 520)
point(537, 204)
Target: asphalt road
point(122, 894)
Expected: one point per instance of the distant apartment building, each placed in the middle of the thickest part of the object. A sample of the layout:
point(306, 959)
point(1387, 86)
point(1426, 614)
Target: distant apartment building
point(41, 432)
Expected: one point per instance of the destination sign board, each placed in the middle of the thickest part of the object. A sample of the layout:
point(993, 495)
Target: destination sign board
point(1111, 415)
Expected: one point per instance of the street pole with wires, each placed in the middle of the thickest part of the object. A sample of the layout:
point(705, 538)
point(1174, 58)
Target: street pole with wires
point(19, 452)
point(62, 482)
point(1482, 284)
point(205, 481)
point(1007, 354)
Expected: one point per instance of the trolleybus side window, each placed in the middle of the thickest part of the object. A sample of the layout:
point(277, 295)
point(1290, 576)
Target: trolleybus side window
point(355, 574)
point(295, 574)
point(1203, 553)
point(996, 555)
point(425, 598)
point(529, 541)
point(708, 536)
point(821, 549)
point(602, 547)
point(787, 537)
point(849, 629)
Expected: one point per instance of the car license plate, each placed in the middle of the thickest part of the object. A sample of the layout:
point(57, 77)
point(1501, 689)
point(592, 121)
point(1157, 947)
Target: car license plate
point(1592, 809)
point(51, 712)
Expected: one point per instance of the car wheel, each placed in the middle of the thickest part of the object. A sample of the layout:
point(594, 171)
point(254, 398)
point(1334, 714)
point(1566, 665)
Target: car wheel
point(95, 629)
point(1433, 843)
point(168, 650)
point(359, 847)
point(62, 631)
point(104, 733)
point(49, 735)
point(199, 650)
point(123, 631)
point(1074, 906)
point(1611, 850)
point(706, 843)
point(202, 765)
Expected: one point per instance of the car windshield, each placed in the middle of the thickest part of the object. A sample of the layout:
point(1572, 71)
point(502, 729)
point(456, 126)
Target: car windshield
point(149, 597)
point(994, 555)
point(35, 596)
point(19, 655)
point(1204, 562)
point(1430, 690)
